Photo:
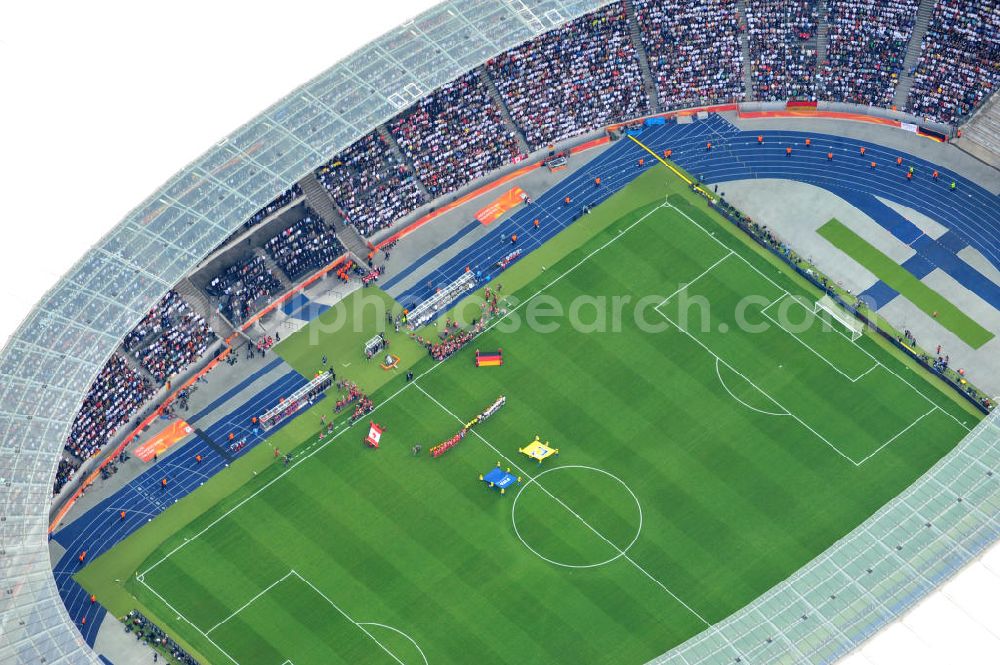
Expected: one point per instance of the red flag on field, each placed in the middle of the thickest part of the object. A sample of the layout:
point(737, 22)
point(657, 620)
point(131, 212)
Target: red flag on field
point(374, 435)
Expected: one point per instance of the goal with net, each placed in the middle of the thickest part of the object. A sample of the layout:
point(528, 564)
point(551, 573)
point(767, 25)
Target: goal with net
point(828, 305)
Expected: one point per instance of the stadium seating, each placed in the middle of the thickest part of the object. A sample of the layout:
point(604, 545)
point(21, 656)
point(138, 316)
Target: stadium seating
point(693, 49)
point(454, 135)
point(867, 44)
point(782, 67)
point(368, 184)
point(279, 202)
point(113, 398)
point(184, 342)
point(573, 79)
point(64, 474)
point(169, 338)
point(306, 245)
point(242, 286)
point(960, 61)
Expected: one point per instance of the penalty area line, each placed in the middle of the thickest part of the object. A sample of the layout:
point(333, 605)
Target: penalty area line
point(896, 436)
point(250, 602)
point(188, 621)
point(344, 614)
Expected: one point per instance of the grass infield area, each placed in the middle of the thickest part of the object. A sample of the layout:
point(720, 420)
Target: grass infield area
point(896, 276)
point(700, 464)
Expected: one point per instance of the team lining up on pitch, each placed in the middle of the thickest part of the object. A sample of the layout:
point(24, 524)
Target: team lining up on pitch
point(828, 363)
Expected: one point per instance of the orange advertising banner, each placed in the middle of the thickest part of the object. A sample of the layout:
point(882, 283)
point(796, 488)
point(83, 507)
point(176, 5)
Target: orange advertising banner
point(160, 443)
point(507, 201)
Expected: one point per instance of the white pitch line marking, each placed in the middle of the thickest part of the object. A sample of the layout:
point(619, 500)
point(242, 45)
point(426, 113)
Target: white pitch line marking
point(600, 535)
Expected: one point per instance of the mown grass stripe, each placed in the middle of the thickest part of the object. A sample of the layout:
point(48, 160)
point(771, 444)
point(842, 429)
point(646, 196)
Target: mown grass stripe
point(928, 300)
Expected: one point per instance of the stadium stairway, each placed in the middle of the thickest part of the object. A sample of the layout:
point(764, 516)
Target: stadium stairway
point(355, 244)
point(822, 34)
point(924, 12)
point(137, 367)
point(200, 304)
point(320, 201)
point(142, 499)
point(741, 8)
point(981, 136)
point(508, 119)
point(635, 34)
point(397, 153)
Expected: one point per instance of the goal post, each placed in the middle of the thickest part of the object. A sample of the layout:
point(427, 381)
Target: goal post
point(827, 304)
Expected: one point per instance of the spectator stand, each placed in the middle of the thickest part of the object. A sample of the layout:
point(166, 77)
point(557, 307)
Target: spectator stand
point(960, 62)
point(281, 203)
point(243, 287)
point(455, 135)
point(305, 246)
point(370, 185)
point(867, 41)
point(170, 337)
point(693, 48)
point(115, 396)
point(781, 37)
point(569, 80)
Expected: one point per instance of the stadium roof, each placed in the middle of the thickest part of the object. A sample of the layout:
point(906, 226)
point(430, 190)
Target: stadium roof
point(51, 360)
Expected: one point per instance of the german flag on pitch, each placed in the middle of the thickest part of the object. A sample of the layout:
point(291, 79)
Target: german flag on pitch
point(489, 359)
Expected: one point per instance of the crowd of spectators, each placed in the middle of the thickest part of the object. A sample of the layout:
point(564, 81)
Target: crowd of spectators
point(308, 244)
point(64, 474)
point(779, 33)
point(241, 286)
point(959, 64)
point(455, 135)
point(575, 78)
point(693, 48)
point(867, 41)
point(169, 338)
point(116, 394)
point(278, 203)
point(148, 632)
point(369, 185)
point(185, 338)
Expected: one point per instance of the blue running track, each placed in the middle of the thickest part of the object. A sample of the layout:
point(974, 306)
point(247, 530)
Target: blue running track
point(100, 528)
point(971, 214)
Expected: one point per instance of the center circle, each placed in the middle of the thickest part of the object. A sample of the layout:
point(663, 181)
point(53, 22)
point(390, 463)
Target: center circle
point(586, 509)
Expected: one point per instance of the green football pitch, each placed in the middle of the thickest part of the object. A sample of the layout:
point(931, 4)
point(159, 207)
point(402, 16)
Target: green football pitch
point(715, 435)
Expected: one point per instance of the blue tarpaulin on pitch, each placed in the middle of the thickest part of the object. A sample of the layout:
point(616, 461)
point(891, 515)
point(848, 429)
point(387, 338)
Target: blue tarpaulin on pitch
point(501, 479)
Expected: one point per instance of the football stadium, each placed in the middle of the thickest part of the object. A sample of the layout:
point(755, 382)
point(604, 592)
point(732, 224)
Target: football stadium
point(542, 331)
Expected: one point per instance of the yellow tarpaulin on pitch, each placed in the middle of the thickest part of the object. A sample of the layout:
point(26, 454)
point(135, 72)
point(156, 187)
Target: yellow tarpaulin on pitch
point(538, 451)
